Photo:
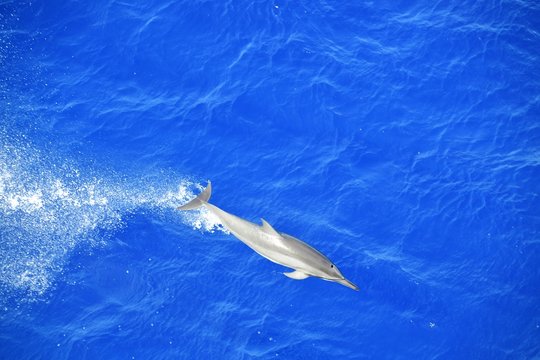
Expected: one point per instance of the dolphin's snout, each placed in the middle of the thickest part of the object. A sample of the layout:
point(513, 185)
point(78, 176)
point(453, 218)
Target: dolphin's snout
point(348, 284)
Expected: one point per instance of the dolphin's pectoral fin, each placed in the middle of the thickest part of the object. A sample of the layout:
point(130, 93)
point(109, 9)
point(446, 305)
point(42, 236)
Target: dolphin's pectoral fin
point(296, 275)
point(267, 228)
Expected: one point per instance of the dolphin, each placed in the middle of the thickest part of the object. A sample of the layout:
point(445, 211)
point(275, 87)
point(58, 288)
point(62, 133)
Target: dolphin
point(277, 247)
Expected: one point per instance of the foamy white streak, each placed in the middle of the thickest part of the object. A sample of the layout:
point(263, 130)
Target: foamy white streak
point(48, 207)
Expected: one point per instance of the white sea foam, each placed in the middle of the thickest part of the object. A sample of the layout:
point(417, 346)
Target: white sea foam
point(49, 206)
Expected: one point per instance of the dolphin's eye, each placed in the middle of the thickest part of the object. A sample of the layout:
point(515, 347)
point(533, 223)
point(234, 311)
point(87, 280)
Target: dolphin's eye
point(332, 265)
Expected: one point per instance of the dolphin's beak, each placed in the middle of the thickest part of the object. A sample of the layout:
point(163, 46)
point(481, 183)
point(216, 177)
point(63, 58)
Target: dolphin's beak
point(347, 283)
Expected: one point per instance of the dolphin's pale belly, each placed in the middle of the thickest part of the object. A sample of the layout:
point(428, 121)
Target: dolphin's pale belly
point(282, 249)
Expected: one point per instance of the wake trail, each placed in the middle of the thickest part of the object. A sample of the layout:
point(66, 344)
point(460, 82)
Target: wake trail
point(51, 205)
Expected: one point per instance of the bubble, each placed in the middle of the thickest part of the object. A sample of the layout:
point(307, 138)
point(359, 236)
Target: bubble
point(50, 205)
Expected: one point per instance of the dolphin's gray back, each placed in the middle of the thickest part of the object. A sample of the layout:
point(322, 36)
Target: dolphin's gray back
point(280, 248)
point(302, 250)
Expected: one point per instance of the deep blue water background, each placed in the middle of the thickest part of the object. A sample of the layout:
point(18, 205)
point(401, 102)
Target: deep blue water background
point(402, 139)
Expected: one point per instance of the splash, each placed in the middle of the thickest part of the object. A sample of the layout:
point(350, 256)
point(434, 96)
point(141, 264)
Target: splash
point(50, 206)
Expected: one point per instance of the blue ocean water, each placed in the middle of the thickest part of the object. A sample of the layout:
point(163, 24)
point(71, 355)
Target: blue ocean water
point(401, 139)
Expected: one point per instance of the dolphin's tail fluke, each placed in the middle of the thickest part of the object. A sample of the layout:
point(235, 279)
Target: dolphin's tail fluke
point(199, 200)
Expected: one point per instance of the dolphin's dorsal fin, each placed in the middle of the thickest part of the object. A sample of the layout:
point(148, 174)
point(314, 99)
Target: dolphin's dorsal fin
point(267, 228)
point(296, 275)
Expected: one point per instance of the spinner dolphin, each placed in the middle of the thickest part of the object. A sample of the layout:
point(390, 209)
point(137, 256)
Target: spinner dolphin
point(277, 247)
